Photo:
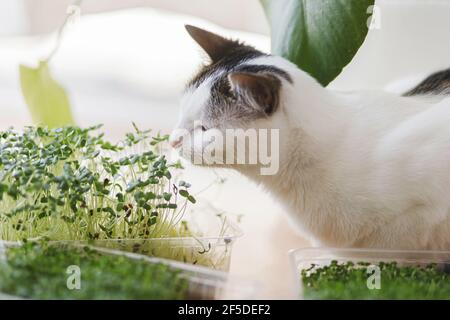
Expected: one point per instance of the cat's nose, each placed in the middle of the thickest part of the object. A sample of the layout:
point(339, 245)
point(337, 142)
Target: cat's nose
point(176, 142)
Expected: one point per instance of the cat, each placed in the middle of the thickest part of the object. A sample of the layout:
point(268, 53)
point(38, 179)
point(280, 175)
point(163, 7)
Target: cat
point(367, 169)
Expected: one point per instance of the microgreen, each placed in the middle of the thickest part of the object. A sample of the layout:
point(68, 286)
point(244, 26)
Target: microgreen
point(349, 281)
point(39, 271)
point(71, 184)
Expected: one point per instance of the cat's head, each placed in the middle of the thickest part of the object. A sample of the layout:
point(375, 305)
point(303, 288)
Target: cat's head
point(239, 88)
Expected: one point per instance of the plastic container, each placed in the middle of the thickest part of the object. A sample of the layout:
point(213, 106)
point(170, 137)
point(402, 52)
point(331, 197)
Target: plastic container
point(8, 297)
point(305, 258)
point(212, 248)
point(204, 283)
point(207, 250)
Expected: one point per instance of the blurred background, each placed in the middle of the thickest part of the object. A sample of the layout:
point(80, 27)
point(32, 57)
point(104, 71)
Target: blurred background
point(128, 60)
point(123, 59)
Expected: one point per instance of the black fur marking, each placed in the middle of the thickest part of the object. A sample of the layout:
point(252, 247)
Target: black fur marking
point(221, 88)
point(437, 84)
point(231, 59)
point(224, 106)
point(264, 68)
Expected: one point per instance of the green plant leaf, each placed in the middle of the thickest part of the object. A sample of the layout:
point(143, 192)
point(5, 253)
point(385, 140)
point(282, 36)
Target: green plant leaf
point(319, 36)
point(46, 99)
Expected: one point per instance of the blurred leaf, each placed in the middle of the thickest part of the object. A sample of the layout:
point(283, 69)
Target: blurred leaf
point(47, 101)
point(319, 36)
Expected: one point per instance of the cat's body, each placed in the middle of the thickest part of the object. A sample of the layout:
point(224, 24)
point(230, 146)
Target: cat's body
point(365, 169)
point(356, 169)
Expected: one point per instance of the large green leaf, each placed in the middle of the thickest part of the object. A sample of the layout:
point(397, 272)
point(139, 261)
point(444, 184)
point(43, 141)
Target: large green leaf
point(46, 99)
point(320, 36)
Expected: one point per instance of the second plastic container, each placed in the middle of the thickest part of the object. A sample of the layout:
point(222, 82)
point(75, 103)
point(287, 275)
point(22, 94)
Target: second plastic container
point(312, 258)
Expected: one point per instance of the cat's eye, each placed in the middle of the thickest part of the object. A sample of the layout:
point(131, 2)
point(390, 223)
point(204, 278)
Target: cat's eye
point(204, 128)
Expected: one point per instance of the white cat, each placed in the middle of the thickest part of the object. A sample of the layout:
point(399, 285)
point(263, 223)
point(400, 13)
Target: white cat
point(358, 169)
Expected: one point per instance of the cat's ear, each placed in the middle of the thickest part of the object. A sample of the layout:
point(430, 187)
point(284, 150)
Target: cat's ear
point(259, 91)
point(214, 45)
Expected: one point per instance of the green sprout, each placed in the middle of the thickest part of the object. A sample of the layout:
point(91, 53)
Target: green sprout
point(39, 271)
point(349, 281)
point(71, 184)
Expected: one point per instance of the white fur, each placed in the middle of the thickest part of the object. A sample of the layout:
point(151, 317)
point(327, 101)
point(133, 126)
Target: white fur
point(360, 169)
point(403, 85)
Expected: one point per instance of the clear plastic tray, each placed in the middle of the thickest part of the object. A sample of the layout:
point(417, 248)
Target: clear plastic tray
point(207, 251)
point(204, 283)
point(304, 258)
point(211, 249)
point(212, 252)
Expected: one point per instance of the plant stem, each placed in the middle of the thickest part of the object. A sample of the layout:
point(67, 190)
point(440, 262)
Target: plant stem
point(75, 10)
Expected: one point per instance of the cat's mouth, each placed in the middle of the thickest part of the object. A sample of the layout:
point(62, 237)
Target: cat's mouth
point(179, 136)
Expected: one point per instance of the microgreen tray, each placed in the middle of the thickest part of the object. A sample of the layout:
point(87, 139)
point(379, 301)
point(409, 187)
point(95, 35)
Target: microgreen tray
point(203, 283)
point(339, 273)
point(212, 249)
